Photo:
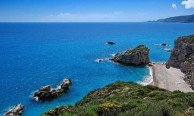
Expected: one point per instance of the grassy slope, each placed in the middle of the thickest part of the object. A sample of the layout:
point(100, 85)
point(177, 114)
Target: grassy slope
point(129, 99)
point(137, 49)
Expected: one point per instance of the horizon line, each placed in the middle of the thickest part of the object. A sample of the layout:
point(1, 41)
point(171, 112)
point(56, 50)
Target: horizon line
point(76, 22)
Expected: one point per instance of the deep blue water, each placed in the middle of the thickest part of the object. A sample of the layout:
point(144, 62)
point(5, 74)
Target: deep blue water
point(37, 54)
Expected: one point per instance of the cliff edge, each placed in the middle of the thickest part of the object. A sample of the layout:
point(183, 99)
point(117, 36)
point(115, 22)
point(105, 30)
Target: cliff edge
point(182, 57)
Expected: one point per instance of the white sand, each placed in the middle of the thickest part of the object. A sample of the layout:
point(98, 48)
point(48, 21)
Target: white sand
point(147, 80)
point(169, 79)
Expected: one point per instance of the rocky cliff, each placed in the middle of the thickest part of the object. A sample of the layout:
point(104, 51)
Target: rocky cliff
point(136, 56)
point(129, 99)
point(182, 57)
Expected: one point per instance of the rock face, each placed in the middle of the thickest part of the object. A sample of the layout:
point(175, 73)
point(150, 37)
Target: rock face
point(15, 111)
point(137, 56)
point(182, 57)
point(47, 93)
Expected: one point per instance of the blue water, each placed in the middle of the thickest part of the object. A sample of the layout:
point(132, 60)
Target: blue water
point(37, 54)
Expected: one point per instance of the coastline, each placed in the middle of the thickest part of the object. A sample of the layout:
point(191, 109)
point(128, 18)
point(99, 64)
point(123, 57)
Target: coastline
point(148, 80)
point(169, 79)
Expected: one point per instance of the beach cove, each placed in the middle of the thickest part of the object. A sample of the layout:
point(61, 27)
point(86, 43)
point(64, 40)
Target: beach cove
point(42, 54)
point(169, 79)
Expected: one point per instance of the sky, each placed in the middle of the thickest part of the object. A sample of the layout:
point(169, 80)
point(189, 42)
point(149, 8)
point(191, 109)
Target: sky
point(92, 10)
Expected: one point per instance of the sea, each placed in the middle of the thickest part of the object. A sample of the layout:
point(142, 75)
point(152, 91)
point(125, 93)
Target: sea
point(37, 54)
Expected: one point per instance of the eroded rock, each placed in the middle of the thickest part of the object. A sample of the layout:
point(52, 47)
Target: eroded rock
point(47, 93)
point(15, 111)
point(136, 56)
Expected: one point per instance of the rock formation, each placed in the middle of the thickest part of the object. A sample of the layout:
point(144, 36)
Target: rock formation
point(165, 44)
point(110, 43)
point(15, 111)
point(182, 57)
point(137, 56)
point(47, 93)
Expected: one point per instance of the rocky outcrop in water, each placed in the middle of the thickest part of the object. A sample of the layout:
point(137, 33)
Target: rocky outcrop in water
point(47, 93)
point(165, 44)
point(110, 43)
point(182, 57)
point(136, 56)
point(15, 111)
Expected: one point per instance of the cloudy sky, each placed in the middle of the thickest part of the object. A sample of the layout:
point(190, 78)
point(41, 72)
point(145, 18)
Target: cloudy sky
point(92, 10)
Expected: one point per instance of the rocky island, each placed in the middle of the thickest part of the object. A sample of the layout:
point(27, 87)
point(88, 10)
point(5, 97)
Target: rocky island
point(15, 111)
point(136, 56)
point(129, 99)
point(47, 93)
point(182, 57)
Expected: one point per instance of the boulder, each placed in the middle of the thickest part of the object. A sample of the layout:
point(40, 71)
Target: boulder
point(136, 56)
point(15, 111)
point(48, 93)
point(99, 60)
point(110, 43)
point(164, 44)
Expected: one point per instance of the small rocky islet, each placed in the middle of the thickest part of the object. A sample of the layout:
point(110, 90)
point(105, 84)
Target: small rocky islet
point(136, 56)
point(110, 43)
point(48, 93)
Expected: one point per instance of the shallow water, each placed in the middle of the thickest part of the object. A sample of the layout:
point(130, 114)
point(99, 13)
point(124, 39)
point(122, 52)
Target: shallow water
point(37, 54)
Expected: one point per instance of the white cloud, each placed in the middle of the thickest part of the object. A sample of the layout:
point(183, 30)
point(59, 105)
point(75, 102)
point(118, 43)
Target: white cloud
point(188, 4)
point(114, 16)
point(88, 17)
point(174, 6)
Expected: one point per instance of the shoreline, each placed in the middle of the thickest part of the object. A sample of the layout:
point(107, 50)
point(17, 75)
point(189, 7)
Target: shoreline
point(169, 79)
point(147, 80)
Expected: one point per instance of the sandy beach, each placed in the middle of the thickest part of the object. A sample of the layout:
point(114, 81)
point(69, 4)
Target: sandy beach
point(169, 79)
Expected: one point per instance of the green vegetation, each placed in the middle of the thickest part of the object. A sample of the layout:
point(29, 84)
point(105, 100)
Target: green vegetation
point(129, 99)
point(188, 39)
point(137, 49)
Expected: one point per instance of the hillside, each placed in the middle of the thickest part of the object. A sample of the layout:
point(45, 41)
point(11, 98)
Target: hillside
point(129, 99)
point(178, 19)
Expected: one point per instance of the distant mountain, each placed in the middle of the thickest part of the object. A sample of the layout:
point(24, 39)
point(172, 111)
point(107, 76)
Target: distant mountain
point(177, 19)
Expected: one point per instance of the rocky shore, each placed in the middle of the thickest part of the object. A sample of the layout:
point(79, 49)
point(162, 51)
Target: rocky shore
point(136, 56)
point(47, 93)
point(129, 99)
point(169, 79)
point(182, 57)
point(15, 111)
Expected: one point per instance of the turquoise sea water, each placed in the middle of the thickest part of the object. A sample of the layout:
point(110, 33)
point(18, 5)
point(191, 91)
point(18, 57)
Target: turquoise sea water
point(37, 54)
